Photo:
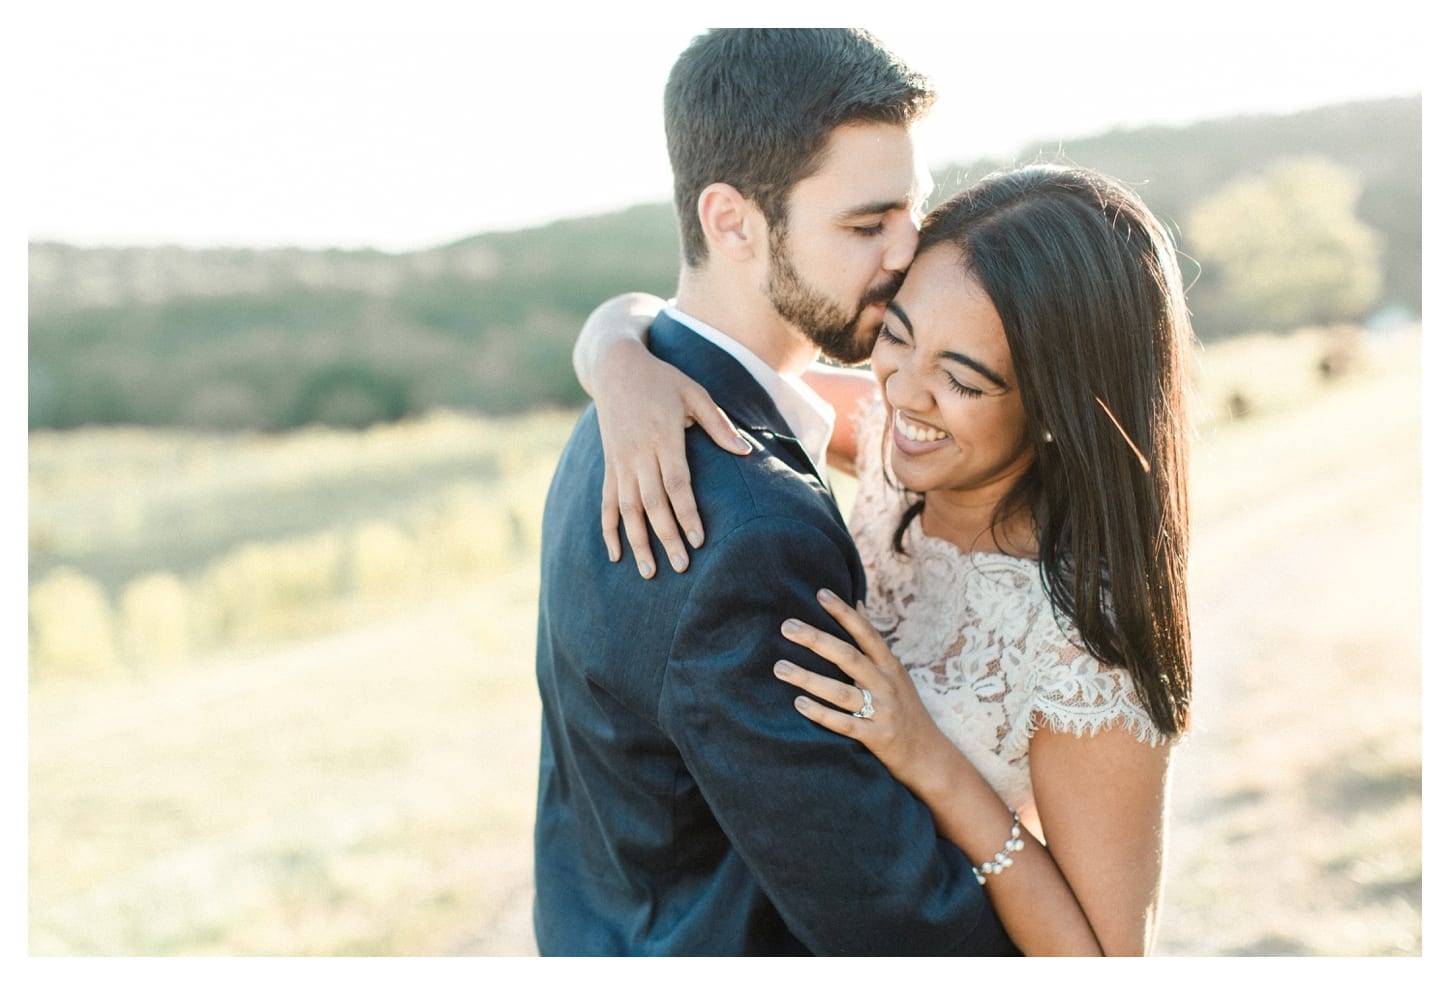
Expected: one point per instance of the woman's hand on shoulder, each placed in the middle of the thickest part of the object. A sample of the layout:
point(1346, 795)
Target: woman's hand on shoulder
point(897, 728)
point(645, 405)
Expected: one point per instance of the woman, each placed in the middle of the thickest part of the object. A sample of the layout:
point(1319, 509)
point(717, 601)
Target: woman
point(1022, 663)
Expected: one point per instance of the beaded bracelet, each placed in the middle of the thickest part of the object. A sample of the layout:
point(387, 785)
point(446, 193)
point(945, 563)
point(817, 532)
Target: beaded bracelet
point(1002, 859)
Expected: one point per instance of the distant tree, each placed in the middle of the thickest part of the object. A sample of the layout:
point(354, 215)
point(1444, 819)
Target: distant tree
point(350, 396)
point(1284, 248)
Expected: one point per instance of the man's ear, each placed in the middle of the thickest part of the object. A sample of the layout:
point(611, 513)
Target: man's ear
point(734, 227)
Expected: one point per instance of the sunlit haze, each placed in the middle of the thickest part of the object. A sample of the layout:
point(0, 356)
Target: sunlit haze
point(354, 129)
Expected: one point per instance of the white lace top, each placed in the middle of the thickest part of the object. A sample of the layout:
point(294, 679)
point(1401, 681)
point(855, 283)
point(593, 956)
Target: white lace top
point(979, 637)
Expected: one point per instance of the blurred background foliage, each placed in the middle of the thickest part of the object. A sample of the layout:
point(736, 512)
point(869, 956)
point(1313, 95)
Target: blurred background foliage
point(1311, 218)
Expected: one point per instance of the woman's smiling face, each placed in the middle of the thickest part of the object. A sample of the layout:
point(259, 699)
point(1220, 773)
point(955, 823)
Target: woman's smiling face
point(957, 422)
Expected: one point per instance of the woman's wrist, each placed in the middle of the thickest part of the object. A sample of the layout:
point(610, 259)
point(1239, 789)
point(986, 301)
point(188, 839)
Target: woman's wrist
point(619, 361)
point(934, 771)
point(615, 324)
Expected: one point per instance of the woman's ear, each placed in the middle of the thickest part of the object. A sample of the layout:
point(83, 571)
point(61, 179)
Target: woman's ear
point(734, 227)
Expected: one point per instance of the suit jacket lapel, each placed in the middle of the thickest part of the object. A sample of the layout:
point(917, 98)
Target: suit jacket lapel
point(734, 389)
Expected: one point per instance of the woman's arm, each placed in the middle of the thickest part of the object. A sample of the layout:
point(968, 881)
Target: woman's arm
point(621, 323)
point(1101, 801)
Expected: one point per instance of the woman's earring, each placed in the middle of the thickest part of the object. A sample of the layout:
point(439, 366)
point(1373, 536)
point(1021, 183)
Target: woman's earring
point(1047, 436)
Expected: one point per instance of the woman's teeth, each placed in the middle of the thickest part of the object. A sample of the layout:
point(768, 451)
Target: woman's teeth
point(917, 432)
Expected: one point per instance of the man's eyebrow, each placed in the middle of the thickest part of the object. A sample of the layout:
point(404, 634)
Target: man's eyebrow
point(967, 361)
point(875, 208)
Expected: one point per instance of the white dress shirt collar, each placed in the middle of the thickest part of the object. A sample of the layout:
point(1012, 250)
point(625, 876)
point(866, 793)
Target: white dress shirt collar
point(811, 418)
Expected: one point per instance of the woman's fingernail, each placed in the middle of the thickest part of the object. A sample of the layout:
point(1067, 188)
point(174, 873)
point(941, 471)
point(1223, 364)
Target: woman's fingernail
point(613, 555)
point(679, 562)
point(646, 569)
point(792, 626)
point(743, 445)
point(826, 595)
point(696, 538)
point(801, 704)
point(782, 668)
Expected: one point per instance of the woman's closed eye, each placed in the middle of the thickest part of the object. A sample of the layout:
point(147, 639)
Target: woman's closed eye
point(875, 230)
point(887, 335)
point(959, 387)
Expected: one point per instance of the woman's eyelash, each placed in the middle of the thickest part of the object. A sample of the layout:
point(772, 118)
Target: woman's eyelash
point(875, 230)
point(888, 336)
point(962, 388)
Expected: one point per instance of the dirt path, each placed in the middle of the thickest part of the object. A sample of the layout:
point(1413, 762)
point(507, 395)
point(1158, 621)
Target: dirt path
point(1297, 799)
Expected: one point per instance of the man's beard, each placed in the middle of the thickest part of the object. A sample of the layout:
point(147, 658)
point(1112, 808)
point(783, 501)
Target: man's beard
point(830, 325)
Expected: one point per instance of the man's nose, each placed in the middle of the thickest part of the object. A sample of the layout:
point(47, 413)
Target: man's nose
point(902, 248)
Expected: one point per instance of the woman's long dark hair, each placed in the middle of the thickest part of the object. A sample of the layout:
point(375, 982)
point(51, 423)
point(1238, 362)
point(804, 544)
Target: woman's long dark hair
point(1087, 285)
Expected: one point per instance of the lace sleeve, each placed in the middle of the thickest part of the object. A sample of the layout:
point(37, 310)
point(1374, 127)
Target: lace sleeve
point(1073, 692)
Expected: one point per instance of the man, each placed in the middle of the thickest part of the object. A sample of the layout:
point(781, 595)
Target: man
point(684, 806)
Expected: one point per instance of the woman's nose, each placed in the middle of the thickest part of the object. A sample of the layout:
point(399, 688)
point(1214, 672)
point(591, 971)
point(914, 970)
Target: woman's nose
point(904, 390)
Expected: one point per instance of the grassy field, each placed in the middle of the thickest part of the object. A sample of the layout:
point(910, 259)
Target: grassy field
point(344, 764)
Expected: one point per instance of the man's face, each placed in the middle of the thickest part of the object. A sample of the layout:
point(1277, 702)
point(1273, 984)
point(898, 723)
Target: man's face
point(849, 236)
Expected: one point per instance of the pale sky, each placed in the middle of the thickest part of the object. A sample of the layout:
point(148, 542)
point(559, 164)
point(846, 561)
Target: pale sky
point(410, 125)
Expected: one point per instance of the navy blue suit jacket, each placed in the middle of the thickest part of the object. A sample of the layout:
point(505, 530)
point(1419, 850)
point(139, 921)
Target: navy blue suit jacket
point(684, 806)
